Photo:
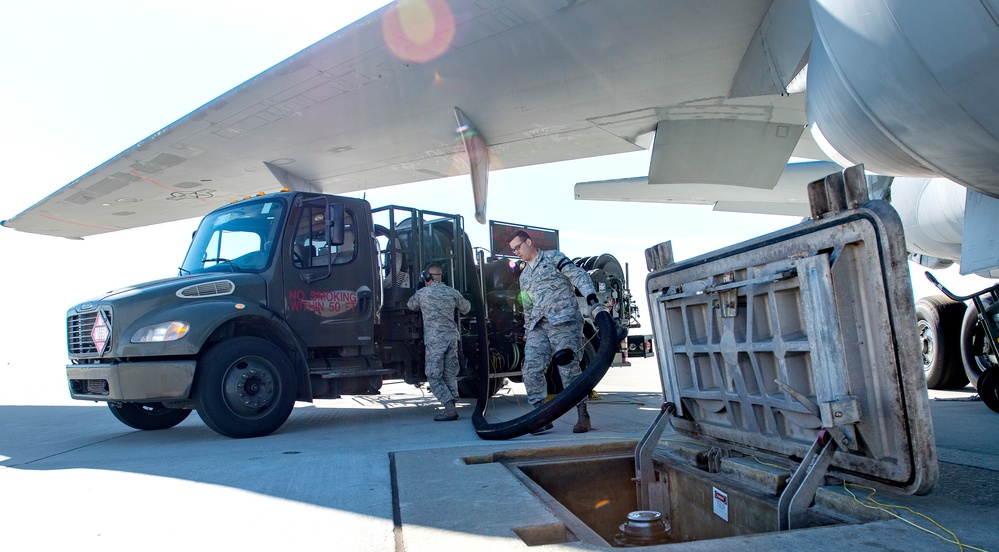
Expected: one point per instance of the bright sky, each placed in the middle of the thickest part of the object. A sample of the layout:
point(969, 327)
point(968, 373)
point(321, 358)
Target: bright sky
point(84, 81)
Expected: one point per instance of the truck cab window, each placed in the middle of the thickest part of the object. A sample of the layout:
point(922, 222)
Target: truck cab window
point(238, 239)
point(309, 246)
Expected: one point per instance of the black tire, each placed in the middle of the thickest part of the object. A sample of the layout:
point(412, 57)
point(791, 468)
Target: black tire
point(148, 416)
point(976, 352)
point(988, 388)
point(938, 326)
point(244, 387)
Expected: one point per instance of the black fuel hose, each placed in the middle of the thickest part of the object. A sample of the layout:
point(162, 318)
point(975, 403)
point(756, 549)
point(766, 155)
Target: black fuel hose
point(562, 402)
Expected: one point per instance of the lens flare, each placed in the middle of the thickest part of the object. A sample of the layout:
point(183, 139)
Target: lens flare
point(418, 30)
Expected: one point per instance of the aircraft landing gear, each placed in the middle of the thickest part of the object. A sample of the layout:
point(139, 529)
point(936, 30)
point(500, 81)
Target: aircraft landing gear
point(988, 388)
point(938, 324)
point(986, 304)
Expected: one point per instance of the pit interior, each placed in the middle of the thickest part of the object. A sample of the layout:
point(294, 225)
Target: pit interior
point(592, 491)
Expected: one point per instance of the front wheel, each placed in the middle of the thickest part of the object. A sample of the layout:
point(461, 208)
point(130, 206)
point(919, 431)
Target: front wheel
point(148, 416)
point(244, 387)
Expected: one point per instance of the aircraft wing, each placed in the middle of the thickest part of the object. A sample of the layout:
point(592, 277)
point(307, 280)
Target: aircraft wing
point(473, 85)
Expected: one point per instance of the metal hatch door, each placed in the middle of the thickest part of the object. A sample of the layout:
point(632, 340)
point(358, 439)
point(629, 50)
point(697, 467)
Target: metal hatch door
point(824, 310)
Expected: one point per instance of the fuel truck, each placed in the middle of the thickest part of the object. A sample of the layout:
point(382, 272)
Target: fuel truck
point(296, 296)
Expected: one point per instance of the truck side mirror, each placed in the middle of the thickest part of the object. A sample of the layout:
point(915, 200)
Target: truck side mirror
point(334, 223)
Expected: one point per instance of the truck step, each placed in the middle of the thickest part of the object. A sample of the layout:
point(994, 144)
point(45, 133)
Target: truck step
point(349, 373)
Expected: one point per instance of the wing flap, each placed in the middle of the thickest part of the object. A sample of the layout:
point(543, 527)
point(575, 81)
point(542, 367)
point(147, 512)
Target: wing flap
point(788, 197)
point(722, 151)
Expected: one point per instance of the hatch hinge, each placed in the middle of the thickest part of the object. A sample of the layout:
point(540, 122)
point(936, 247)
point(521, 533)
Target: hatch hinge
point(653, 492)
point(837, 415)
point(801, 488)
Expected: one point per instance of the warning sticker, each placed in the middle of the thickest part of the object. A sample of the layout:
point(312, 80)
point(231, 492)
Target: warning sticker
point(720, 500)
point(101, 333)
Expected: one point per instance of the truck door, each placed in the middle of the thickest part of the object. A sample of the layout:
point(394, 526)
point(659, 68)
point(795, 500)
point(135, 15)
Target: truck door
point(329, 299)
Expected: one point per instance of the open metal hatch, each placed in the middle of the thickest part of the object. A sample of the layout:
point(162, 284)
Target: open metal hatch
point(802, 344)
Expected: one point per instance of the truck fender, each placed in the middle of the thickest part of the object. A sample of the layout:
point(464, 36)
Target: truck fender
point(213, 321)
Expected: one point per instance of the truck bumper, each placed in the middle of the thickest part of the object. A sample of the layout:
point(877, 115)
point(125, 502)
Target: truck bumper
point(131, 381)
point(640, 346)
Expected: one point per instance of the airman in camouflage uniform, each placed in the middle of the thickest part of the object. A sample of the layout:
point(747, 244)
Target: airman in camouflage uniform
point(552, 321)
point(437, 301)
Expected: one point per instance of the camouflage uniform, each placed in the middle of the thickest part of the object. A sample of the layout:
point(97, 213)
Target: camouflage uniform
point(437, 301)
point(552, 319)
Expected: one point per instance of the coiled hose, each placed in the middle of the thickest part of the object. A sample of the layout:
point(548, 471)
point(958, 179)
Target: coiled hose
point(568, 398)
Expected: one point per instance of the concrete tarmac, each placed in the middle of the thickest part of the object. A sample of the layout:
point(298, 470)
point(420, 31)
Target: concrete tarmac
point(377, 474)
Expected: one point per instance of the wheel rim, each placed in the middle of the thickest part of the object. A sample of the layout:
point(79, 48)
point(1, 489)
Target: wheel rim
point(925, 344)
point(249, 386)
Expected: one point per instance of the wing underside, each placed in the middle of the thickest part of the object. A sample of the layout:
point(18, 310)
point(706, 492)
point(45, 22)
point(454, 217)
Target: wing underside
point(541, 82)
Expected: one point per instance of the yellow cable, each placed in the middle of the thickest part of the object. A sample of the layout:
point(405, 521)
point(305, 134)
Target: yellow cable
point(761, 462)
point(885, 508)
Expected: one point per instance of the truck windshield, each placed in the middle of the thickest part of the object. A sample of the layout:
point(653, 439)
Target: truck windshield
point(237, 239)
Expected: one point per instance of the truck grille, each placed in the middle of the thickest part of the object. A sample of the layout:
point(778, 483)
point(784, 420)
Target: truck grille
point(79, 330)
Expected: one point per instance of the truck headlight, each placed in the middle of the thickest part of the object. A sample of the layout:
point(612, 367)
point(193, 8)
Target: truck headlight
point(166, 331)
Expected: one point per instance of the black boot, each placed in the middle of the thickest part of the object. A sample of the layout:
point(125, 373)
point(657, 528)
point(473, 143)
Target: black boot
point(449, 414)
point(583, 423)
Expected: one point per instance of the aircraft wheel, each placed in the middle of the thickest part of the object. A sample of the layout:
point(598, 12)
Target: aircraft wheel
point(938, 325)
point(988, 388)
point(244, 387)
point(976, 351)
point(148, 416)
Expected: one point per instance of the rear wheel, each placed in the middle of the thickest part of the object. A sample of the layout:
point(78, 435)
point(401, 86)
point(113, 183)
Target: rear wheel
point(976, 351)
point(245, 387)
point(148, 416)
point(938, 324)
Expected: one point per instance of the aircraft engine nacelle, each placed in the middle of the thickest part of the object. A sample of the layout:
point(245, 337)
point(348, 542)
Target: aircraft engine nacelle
point(932, 213)
point(907, 87)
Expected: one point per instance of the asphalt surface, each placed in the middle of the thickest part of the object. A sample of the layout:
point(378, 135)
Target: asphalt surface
point(377, 474)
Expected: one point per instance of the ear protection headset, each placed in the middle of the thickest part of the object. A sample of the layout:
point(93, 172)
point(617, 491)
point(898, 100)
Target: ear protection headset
point(427, 277)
